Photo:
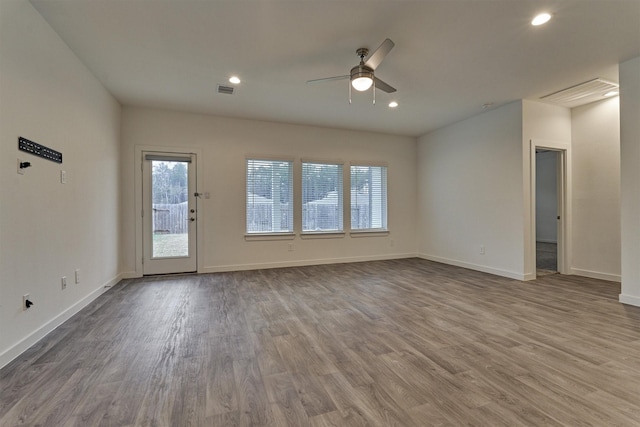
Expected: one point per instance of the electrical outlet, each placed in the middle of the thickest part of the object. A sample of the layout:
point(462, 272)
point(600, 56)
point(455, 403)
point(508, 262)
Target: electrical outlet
point(77, 276)
point(481, 249)
point(26, 298)
point(290, 247)
point(63, 177)
point(20, 170)
point(64, 282)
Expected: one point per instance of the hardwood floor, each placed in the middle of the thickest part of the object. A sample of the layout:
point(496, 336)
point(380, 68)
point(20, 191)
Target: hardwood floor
point(389, 343)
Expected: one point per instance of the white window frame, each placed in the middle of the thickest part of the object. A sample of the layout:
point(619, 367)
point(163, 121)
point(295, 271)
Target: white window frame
point(285, 234)
point(326, 233)
point(384, 200)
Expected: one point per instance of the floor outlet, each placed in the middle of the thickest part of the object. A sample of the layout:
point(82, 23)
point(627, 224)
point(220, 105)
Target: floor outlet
point(64, 282)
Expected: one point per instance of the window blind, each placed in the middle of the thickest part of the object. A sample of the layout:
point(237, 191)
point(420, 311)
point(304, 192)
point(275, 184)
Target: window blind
point(269, 196)
point(322, 205)
point(368, 198)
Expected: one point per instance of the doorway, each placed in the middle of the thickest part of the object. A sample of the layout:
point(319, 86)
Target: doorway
point(550, 207)
point(169, 213)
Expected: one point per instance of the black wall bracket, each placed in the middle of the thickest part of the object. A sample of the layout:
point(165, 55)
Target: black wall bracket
point(39, 150)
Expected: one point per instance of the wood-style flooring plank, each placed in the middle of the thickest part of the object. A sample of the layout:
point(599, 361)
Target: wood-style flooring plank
point(387, 343)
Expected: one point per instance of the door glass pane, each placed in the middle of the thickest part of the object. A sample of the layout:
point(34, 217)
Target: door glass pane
point(170, 208)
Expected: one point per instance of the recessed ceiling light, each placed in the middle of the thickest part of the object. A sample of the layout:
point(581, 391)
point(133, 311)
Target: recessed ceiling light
point(612, 93)
point(540, 19)
point(234, 79)
point(393, 104)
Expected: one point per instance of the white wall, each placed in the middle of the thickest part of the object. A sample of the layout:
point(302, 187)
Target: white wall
point(595, 146)
point(474, 187)
point(546, 197)
point(630, 179)
point(224, 144)
point(470, 193)
point(47, 229)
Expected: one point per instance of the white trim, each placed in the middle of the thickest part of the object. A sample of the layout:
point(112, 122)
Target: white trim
point(258, 237)
point(597, 275)
point(476, 267)
point(322, 234)
point(130, 275)
point(21, 346)
point(369, 232)
point(302, 263)
point(629, 299)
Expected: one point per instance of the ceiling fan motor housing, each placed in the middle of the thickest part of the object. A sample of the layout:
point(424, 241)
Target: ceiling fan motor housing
point(361, 71)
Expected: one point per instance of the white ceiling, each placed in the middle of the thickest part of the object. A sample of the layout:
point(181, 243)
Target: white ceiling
point(450, 58)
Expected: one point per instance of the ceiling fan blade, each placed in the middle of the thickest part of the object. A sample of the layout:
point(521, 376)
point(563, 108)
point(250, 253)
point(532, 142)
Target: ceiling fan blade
point(376, 57)
point(385, 87)
point(328, 79)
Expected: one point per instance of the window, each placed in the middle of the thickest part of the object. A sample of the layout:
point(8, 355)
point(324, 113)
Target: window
point(269, 196)
point(368, 198)
point(322, 197)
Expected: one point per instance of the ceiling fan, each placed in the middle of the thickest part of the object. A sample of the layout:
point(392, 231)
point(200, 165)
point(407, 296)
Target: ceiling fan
point(362, 75)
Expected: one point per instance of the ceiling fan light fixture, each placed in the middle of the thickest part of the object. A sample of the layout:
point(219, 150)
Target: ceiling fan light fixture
point(361, 83)
point(361, 77)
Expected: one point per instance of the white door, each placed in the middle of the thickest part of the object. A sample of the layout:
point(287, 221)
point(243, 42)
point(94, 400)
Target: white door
point(169, 214)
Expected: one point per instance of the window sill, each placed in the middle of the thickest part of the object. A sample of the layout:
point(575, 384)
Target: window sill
point(322, 235)
point(258, 237)
point(369, 233)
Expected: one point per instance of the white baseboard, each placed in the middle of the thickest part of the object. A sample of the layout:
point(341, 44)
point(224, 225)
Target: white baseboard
point(130, 275)
point(477, 267)
point(301, 263)
point(17, 349)
point(597, 275)
point(629, 299)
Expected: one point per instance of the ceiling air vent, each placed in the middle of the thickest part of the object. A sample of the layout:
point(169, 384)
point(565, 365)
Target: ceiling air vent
point(228, 90)
point(580, 94)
